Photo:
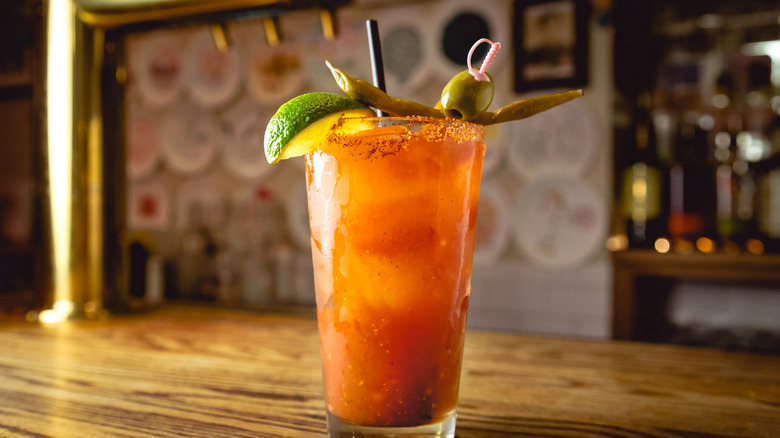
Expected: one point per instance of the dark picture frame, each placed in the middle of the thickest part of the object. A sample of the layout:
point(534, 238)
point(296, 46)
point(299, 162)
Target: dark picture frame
point(551, 44)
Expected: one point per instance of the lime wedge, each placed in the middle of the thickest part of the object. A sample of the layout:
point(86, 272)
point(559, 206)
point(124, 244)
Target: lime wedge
point(300, 124)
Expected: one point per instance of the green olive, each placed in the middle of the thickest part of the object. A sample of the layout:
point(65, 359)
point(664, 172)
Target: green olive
point(373, 96)
point(465, 98)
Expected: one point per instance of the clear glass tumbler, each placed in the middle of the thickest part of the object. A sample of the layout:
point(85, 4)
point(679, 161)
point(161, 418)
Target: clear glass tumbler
point(392, 209)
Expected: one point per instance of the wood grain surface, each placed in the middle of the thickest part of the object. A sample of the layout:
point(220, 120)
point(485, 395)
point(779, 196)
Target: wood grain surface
point(633, 267)
point(194, 372)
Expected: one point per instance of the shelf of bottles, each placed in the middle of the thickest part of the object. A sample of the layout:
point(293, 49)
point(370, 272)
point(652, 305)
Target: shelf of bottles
point(697, 134)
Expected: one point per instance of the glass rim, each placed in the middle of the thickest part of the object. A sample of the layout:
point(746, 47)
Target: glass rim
point(377, 132)
point(415, 119)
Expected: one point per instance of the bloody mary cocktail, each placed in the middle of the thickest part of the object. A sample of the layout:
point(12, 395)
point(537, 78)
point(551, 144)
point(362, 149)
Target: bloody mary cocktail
point(392, 209)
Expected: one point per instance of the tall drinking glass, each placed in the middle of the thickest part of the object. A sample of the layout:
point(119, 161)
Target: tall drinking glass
point(392, 209)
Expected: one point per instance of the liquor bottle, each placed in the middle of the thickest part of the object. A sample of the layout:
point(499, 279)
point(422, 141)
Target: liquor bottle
point(146, 279)
point(761, 149)
point(195, 266)
point(727, 126)
point(750, 130)
point(768, 202)
point(729, 227)
point(227, 257)
point(258, 288)
point(691, 185)
point(138, 260)
point(759, 117)
point(642, 180)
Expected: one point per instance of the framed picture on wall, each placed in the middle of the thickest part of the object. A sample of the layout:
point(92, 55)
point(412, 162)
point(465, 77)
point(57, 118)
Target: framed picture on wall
point(551, 44)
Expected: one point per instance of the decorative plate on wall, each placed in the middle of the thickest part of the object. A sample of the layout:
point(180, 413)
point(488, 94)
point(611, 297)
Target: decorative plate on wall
point(459, 24)
point(190, 140)
point(275, 73)
point(405, 37)
point(297, 214)
point(561, 141)
point(559, 221)
point(160, 73)
point(213, 76)
point(243, 128)
point(349, 52)
point(491, 236)
point(143, 142)
point(496, 138)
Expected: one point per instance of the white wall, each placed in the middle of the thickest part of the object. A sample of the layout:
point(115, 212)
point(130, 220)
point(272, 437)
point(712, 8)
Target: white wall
point(516, 294)
point(512, 292)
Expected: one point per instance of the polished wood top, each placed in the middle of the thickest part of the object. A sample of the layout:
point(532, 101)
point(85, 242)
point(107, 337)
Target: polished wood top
point(182, 371)
point(739, 267)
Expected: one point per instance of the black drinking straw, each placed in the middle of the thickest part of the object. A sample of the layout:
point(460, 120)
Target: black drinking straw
point(377, 65)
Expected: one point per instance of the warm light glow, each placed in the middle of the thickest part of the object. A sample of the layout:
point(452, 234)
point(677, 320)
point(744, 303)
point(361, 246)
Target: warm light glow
point(617, 242)
point(639, 189)
point(51, 317)
point(704, 244)
point(768, 48)
point(31, 316)
point(683, 246)
point(59, 142)
point(639, 184)
point(754, 246)
point(59, 313)
point(66, 307)
point(662, 245)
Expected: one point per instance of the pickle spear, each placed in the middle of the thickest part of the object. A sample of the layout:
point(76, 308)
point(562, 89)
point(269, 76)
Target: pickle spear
point(370, 95)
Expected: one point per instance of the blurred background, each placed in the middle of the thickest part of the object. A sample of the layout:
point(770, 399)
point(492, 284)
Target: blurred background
point(649, 209)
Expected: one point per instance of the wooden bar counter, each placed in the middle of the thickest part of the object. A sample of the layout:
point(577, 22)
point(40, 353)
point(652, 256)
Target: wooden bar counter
point(194, 372)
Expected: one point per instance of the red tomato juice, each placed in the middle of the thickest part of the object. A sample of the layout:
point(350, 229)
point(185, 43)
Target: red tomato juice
point(392, 212)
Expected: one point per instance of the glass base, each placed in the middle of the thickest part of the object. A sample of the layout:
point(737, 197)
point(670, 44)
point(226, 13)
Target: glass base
point(443, 429)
